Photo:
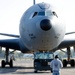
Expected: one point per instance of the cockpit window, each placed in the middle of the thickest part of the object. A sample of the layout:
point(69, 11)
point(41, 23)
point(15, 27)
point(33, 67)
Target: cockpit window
point(41, 13)
point(54, 14)
point(44, 13)
point(48, 13)
point(35, 14)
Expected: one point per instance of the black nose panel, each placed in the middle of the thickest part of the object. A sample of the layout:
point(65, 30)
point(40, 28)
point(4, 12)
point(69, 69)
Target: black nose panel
point(45, 25)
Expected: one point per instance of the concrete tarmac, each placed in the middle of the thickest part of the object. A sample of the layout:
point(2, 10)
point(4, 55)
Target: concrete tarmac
point(25, 67)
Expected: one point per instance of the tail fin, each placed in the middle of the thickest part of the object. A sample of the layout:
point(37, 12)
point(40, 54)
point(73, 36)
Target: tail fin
point(33, 2)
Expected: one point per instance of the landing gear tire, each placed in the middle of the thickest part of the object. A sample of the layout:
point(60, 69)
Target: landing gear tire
point(35, 71)
point(64, 63)
point(3, 63)
point(11, 63)
point(51, 71)
point(72, 63)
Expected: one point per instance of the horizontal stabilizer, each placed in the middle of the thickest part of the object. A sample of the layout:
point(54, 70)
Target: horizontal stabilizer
point(70, 33)
point(10, 35)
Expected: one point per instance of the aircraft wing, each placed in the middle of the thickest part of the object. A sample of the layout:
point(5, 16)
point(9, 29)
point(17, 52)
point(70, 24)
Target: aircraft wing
point(67, 43)
point(11, 43)
point(17, 43)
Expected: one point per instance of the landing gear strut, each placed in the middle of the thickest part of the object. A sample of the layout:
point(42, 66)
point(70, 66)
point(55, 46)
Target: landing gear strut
point(69, 60)
point(7, 62)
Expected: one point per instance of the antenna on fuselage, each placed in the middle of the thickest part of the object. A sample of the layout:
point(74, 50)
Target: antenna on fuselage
point(33, 2)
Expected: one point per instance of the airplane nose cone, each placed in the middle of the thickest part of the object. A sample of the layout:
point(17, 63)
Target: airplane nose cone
point(45, 25)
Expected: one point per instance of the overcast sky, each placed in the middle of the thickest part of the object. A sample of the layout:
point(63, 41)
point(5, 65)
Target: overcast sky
point(12, 10)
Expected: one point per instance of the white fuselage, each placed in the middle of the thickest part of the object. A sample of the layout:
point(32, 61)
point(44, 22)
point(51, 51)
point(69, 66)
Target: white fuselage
point(40, 28)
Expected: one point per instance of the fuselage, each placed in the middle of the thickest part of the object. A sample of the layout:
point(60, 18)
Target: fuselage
point(41, 28)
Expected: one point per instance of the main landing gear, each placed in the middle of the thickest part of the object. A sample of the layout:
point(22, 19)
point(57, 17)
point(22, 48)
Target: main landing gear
point(7, 61)
point(69, 60)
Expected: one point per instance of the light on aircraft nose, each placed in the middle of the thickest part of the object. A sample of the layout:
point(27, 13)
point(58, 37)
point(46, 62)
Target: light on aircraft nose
point(45, 25)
